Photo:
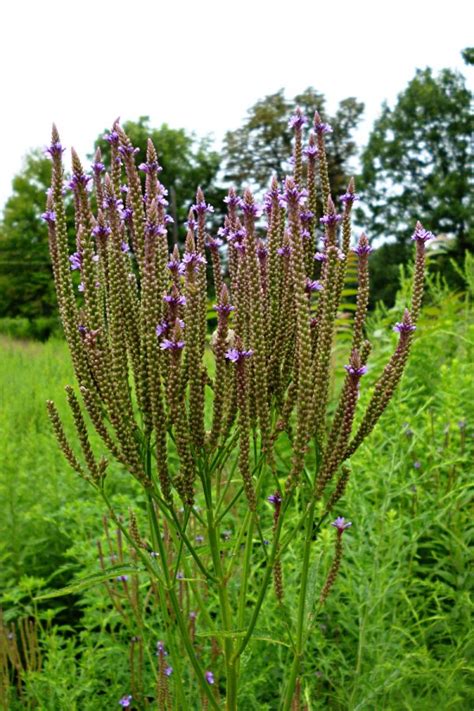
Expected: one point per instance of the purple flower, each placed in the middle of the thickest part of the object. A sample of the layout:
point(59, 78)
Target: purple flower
point(175, 300)
point(49, 216)
point(198, 539)
point(362, 249)
point(232, 200)
point(162, 328)
point(202, 207)
point(125, 701)
point(191, 223)
point(356, 372)
point(98, 167)
point(331, 219)
point(128, 150)
point(125, 247)
point(313, 286)
point(151, 167)
point(209, 677)
point(76, 261)
point(224, 308)
point(421, 235)
point(349, 197)
point(404, 327)
point(275, 498)
point(152, 229)
point(192, 260)
point(341, 524)
point(160, 648)
point(126, 214)
point(298, 120)
point(320, 257)
point(251, 209)
point(306, 216)
point(417, 465)
point(112, 202)
point(124, 189)
point(101, 231)
point(77, 181)
point(213, 243)
point(236, 356)
point(284, 251)
point(322, 128)
point(55, 149)
point(112, 138)
point(168, 670)
point(310, 151)
point(81, 287)
point(175, 265)
point(122, 578)
point(292, 194)
point(168, 345)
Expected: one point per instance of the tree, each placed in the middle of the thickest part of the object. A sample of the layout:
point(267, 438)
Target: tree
point(187, 163)
point(417, 162)
point(262, 145)
point(26, 283)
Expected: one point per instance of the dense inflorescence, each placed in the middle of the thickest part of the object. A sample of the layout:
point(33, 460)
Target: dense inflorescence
point(135, 310)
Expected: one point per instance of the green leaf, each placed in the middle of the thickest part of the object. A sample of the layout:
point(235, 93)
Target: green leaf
point(91, 580)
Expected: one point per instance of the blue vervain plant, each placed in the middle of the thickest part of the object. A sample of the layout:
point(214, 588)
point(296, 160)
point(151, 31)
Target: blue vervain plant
point(200, 422)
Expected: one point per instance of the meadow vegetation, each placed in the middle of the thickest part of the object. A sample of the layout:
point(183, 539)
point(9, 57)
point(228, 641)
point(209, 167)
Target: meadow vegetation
point(395, 631)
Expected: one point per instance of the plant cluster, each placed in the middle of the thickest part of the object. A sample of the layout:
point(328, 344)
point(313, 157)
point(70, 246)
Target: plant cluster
point(198, 421)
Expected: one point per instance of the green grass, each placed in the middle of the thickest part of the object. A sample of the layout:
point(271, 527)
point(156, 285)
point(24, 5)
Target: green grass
point(395, 632)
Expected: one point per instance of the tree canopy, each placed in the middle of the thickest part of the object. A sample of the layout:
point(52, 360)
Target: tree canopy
point(26, 284)
point(417, 162)
point(261, 147)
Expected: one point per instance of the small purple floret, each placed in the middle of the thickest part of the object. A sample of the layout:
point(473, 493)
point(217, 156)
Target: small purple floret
point(236, 356)
point(332, 219)
point(125, 701)
point(422, 235)
point(356, 372)
point(341, 524)
point(209, 677)
point(275, 498)
point(49, 216)
point(167, 344)
point(349, 197)
point(402, 327)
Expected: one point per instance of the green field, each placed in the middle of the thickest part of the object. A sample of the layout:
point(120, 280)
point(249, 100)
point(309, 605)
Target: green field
point(395, 632)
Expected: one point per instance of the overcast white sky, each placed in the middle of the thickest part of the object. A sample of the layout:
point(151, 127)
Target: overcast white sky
point(200, 65)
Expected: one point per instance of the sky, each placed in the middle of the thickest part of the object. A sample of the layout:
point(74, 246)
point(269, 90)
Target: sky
point(200, 65)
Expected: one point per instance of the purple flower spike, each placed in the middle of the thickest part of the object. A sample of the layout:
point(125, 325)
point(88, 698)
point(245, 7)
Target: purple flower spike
point(232, 200)
point(320, 257)
point(284, 251)
point(298, 120)
point(152, 167)
point(213, 243)
point(322, 128)
point(125, 701)
point(49, 216)
point(250, 208)
point(330, 219)
point(404, 327)
point(362, 249)
point(101, 231)
point(112, 138)
point(79, 181)
point(313, 286)
point(341, 524)
point(209, 677)
point(202, 207)
point(306, 216)
point(168, 345)
point(421, 235)
point(128, 151)
point(224, 308)
point(310, 151)
point(237, 356)
point(192, 260)
point(55, 149)
point(349, 197)
point(175, 300)
point(76, 261)
point(356, 372)
point(98, 167)
point(275, 498)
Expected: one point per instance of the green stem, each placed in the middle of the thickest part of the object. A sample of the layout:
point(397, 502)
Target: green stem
point(299, 642)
